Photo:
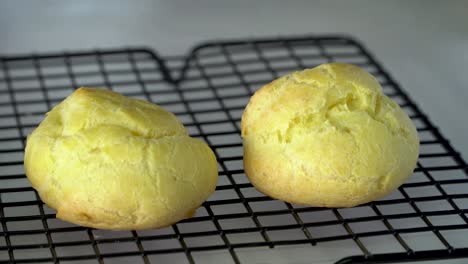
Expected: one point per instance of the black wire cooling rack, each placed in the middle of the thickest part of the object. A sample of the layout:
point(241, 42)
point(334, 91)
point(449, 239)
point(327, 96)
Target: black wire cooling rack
point(208, 90)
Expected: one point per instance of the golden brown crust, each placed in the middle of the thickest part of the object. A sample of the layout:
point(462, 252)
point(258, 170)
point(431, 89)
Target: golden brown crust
point(106, 161)
point(327, 136)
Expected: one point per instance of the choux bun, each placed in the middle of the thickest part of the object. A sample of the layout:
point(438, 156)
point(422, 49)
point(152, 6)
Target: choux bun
point(327, 137)
point(106, 161)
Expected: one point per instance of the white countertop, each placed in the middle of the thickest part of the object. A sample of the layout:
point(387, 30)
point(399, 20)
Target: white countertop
point(423, 44)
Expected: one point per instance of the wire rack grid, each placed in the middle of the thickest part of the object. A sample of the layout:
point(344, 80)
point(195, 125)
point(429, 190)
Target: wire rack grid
point(208, 90)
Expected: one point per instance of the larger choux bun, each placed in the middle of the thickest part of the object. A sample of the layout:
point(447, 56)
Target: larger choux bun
point(107, 161)
point(327, 137)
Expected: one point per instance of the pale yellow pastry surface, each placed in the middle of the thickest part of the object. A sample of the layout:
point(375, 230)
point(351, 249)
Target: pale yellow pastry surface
point(327, 137)
point(107, 161)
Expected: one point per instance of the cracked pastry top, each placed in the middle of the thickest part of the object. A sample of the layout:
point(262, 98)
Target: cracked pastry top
point(327, 136)
point(107, 161)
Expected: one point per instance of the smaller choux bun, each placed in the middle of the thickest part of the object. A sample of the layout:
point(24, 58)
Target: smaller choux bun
point(107, 161)
point(327, 137)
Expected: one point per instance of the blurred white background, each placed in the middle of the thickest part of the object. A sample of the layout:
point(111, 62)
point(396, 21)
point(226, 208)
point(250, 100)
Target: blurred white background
point(424, 44)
